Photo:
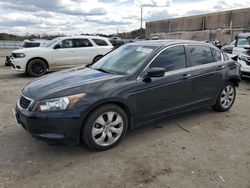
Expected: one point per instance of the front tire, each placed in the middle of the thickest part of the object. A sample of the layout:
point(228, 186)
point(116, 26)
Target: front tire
point(226, 98)
point(36, 68)
point(105, 127)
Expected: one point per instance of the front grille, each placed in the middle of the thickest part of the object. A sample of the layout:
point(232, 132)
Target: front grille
point(25, 102)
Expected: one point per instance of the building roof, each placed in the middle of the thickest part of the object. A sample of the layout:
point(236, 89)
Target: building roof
point(160, 43)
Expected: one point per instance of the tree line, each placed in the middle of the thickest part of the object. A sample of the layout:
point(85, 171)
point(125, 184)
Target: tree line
point(125, 35)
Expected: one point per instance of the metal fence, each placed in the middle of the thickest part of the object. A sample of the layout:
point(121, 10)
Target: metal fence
point(10, 44)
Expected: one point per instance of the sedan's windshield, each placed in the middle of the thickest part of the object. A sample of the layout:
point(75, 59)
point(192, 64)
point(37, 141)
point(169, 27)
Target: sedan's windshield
point(124, 60)
point(50, 43)
point(243, 42)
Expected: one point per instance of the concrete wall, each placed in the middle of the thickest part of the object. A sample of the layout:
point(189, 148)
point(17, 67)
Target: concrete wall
point(221, 26)
point(10, 44)
point(207, 35)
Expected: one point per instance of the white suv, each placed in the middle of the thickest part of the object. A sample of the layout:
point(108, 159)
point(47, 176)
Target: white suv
point(62, 52)
point(242, 49)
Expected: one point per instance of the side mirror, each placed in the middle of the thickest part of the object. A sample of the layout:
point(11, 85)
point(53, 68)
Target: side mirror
point(57, 46)
point(154, 73)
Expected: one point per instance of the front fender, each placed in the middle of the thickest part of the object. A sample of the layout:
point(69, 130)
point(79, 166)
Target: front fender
point(128, 107)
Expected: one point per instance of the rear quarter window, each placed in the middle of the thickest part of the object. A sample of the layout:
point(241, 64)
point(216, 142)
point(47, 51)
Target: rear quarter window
point(100, 42)
point(225, 56)
point(31, 44)
point(216, 54)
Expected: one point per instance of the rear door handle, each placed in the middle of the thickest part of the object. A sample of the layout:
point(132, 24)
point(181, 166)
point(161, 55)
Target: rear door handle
point(221, 67)
point(185, 76)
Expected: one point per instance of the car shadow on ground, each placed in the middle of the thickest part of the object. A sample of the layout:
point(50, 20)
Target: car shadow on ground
point(246, 79)
point(11, 75)
point(172, 123)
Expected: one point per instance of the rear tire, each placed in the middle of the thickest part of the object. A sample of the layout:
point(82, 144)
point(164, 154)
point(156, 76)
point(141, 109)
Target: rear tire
point(97, 58)
point(36, 68)
point(105, 127)
point(226, 98)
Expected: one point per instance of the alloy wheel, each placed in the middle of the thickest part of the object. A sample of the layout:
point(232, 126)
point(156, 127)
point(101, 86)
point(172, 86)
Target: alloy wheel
point(37, 67)
point(107, 128)
point(227, 96)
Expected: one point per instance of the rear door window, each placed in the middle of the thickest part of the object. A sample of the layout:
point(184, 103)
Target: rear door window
point(80, 43)
point(100, 42)
point(67, 43)
point(200, 55)
point(173, 58)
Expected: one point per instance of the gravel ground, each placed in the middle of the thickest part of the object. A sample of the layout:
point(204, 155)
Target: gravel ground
point(213, 150)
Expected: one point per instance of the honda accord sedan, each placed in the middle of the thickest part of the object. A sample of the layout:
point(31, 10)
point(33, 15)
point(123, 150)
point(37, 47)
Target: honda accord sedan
point(134, 84)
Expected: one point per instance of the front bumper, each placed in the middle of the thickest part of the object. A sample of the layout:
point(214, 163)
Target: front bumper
point(53, 127)
point(18, 64)
point(7, 61)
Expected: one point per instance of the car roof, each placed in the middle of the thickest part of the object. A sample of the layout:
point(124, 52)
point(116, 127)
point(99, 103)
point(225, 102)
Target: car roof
point(84, 36)
point(162, 43)
point(244, 34)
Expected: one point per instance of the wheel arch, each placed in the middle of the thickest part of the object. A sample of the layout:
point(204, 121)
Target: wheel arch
point(100, 55)
point(41, 58)
point(235, 80)
point(119, 103)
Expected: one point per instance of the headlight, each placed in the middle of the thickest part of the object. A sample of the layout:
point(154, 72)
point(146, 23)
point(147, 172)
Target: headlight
point(19, 55)
point(59, 104)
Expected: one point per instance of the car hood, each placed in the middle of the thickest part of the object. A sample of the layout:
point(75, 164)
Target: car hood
point(25, 50)
point(227, 46)
point(65, 83)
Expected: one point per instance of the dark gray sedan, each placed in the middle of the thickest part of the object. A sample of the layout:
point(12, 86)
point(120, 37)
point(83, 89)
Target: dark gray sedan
point(135, 83)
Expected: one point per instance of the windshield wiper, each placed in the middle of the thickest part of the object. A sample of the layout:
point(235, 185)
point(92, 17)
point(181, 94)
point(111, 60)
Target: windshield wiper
point(102, 70)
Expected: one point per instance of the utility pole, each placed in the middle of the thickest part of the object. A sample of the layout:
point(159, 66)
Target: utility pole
point(141, 22)
point(231, 31)
point(141, 32)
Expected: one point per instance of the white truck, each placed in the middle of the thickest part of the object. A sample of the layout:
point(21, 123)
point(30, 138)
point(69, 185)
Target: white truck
point(242, 49)
point(59, 53)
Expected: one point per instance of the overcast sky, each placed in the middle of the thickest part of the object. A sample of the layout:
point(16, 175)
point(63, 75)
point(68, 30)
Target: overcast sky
point(98, 16)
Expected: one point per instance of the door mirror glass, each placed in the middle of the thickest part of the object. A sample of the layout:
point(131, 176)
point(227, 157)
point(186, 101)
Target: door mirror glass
point(57, 46)
point(156, 72)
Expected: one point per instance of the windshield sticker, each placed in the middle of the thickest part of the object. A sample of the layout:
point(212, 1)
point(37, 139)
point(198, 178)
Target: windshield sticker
point(143, 49)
